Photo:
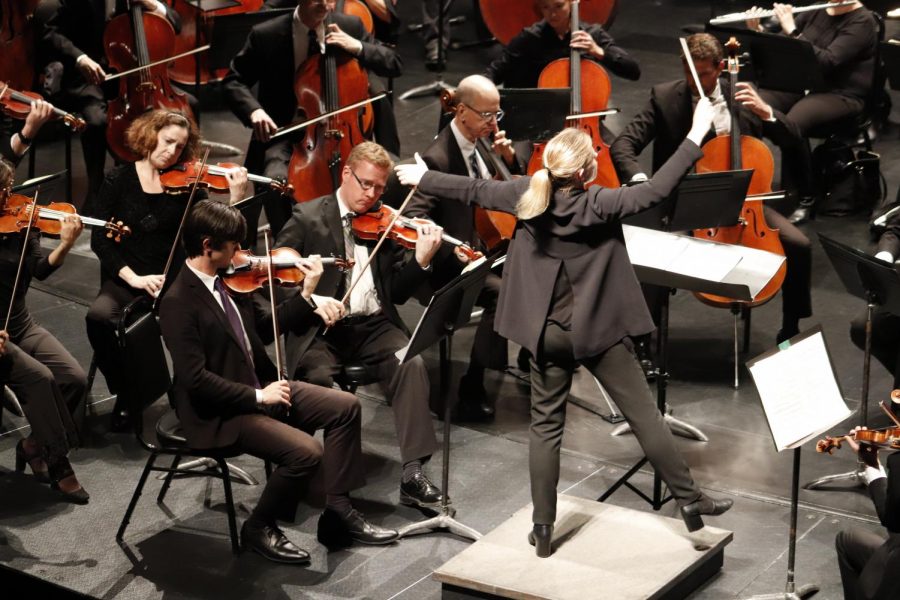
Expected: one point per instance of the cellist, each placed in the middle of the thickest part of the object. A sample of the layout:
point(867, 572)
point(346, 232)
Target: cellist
point(667, 116)
point(273, 52)
point(454, 151)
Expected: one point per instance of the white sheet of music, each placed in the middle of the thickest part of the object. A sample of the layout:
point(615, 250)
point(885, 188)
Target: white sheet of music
point(799, 393)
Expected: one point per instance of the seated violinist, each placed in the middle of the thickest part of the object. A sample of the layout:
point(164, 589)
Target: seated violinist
point(44, 376)
point(271, 56)
point(844, 40)
point(869, 561)
point(372, 330)
point(133, 193)
point(454, 151)
point(664, 121)
point(15, 146)
point(549, 39)
point(228, 394)
point(71, 48)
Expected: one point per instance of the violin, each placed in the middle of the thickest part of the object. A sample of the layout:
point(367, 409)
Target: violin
point(179, 178)
point(249, 272)
point(17, 42)
point(325, 83)
point(133, 41)
point(405, 231)
point(889, 437)
point(506, 18)
point(18, 211)
point(732, 152)
point(580, 76)
point(197, 30)
point(18, 104)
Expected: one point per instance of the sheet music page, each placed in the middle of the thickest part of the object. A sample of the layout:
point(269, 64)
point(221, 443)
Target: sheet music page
point(649, 248)
point(706, 261)
point(799, 392)
point(756, 269)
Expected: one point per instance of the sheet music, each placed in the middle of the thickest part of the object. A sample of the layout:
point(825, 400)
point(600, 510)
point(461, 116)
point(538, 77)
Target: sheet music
point(799, 392)
point(698, 261)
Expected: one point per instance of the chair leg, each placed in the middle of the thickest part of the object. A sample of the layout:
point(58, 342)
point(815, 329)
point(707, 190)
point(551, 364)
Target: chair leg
point(92, 373)
point(134, 498)
point(746, 316)
point(229, 506)
point(165, 486)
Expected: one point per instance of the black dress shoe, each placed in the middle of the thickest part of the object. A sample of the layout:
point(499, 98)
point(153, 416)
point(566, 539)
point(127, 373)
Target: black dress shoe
point(691, 513)
point(336, 533)
point(473, 401)
point(523, 360)
point(540, 537)
point(419, 491)
point(800, 215)
point(271, 543)
point(120, 420)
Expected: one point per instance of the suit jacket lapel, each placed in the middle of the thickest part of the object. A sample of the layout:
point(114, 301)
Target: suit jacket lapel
point(207, 299)
point(332, 216)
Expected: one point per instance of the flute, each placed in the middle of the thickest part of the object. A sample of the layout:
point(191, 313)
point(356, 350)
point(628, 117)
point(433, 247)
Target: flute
point(743, 16)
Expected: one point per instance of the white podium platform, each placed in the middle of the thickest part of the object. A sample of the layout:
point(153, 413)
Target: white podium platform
point(599, 551)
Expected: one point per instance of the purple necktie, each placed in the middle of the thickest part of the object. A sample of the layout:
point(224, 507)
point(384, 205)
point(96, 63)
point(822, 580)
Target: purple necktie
point(235, 321)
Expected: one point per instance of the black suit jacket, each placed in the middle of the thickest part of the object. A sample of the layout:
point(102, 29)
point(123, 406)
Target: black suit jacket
point(71, 28)
point(315, 228)
point(213, 381)
point(267, 59)
point(666, 119)
point(880, 579)
point(581, 232)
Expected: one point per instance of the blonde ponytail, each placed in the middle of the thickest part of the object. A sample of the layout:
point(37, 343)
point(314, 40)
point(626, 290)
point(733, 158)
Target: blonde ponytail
point(570, 151)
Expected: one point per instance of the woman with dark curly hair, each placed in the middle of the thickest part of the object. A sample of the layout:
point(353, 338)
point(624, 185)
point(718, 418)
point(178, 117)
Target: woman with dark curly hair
point(133, 193)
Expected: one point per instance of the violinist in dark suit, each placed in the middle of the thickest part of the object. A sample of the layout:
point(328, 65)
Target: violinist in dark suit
point(454, 151)
point(667, 117)
point(372, 330)
point(71, 48)
point(228, 394)
point(273, 52)
point(870, 562)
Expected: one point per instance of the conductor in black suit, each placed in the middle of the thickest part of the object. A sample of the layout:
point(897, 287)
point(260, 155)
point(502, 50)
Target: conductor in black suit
point(665, 120)
point(372, 332)
point(454, 151)
point(870, 562)
point(228, 394)
point(273, 52)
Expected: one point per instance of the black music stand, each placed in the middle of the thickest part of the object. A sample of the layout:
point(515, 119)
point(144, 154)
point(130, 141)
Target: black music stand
point(878, 283)
point(700, 201)
point(449, 309)
point(437, 86)
point(777, 62)
point(534, 114)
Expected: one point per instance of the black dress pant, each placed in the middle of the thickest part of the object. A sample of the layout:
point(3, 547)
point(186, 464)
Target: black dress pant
point(619, 372)
point(869, 564)
point(373, 341)
point(796, 295)
point(885, 339)
point(102, 320)
point(286, 439)
point(49, 383)
point(488, 347)
point(270, 160)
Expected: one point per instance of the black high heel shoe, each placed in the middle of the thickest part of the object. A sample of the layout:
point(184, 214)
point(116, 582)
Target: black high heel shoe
point(23, 458)
point(60, 469)
point(541, 537)
point(692, 513)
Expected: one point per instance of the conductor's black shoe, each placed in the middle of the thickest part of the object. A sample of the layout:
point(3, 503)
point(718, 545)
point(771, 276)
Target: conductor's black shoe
point(540, 537)
point(336, 533)
point(692, 513)
point(271, 543)
point(419, 491)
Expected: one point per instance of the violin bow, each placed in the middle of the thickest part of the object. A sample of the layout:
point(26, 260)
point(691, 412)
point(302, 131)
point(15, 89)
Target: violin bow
point(279, 356)
point(187, 209)
point(690, 62)
point(12, 296)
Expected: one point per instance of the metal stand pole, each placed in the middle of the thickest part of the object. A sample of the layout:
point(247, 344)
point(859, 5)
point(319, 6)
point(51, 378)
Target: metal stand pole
point(444, 518)
point(438, 85)
point(857, 476)
point(790, 593)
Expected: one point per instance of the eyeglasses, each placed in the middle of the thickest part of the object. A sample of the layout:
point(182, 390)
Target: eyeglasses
point(367, 185)
point(486, 115)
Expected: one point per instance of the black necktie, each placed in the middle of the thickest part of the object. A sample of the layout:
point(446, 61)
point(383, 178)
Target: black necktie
point(473, 163)
point(236, 326)
point(314, 47)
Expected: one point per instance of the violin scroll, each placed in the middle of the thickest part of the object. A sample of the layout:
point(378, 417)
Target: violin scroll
point(116, 230)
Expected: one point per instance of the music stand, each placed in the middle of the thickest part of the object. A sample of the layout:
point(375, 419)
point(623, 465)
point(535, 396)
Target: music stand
point(534, 114)
point(878, 283)
point(449, 309)
point(699, 201)
point(777, 62)
point(437, 86)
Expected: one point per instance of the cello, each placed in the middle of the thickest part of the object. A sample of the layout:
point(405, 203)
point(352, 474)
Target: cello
point(131, 41)
point(506, 18)
point(357, 8)
point(325, 83)
point(17, 42)
point(731, 152)
point(590, 87)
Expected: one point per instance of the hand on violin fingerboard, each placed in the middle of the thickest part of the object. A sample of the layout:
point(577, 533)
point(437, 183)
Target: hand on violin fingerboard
point(237, 183)
point(427, 244)
point(868, 453)
point(312, 270)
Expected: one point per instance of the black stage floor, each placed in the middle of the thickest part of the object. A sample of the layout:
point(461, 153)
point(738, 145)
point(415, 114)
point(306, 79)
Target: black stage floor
point(181, 550)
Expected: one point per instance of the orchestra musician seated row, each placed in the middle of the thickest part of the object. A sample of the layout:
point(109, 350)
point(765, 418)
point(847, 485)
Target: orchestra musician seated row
point(133, 193)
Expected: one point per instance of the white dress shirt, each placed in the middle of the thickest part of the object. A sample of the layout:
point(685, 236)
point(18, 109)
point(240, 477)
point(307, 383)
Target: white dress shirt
point(467, 148)
point(301, 39)
point(364, 298)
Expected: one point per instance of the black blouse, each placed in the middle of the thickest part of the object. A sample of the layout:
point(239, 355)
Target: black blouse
point(153, 219)
point(36, 265)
